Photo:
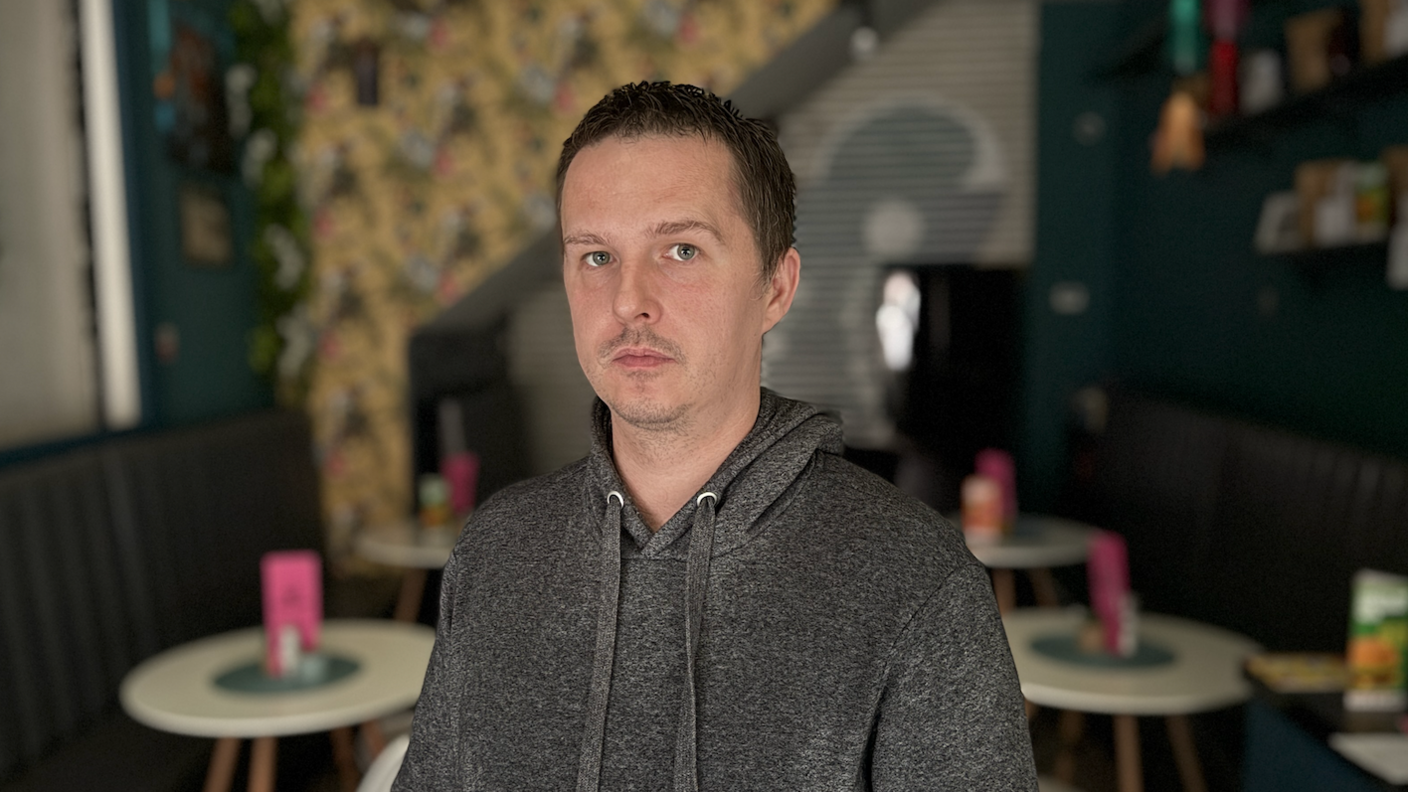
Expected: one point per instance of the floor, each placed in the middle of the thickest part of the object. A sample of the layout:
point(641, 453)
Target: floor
point(1218, 736)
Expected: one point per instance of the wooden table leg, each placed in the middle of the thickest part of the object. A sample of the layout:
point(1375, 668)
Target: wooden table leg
point(1185, 753)
point(1128, 767)
point(1004, 585)
point(1069, 732)
point(221, 773)
point(374, 737)
point(1044, 587)
point(412, 590)
point(263, 759)
point(344, 755)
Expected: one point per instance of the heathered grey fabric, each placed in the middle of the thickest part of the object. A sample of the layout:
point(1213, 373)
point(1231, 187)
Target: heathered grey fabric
point(847, 638)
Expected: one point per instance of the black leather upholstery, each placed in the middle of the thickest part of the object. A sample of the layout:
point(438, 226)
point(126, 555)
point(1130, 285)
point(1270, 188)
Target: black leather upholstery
point(116, 551)
point(1254, 528)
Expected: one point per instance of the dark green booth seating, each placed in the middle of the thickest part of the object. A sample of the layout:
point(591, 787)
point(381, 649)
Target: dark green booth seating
point(1251, 527)
point(115, 551)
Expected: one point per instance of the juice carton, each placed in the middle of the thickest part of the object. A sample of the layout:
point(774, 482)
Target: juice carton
point(982, 510)
point(1378, 642)
point(997, 465)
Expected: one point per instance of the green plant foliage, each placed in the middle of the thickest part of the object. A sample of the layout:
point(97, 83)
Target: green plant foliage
point(280, 345)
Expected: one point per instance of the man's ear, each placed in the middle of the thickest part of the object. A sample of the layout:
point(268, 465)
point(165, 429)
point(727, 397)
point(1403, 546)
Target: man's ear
point(781, 288)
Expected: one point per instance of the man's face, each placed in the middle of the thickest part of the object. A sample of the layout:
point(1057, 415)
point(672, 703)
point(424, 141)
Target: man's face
point(662, 276)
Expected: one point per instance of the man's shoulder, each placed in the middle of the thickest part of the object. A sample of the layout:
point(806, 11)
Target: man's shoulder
point(540, 495)
point(857, 505)
point(847, 486)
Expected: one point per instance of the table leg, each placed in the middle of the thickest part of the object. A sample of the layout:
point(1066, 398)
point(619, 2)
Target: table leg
point(1069, 732)
point(1044, 587)
point(374, 737)
point(1004, 584)
point(1185, 753)
point(1128, 767)
point(344, 755)
point(221, 773)
point(412, 590)
point(263, 756)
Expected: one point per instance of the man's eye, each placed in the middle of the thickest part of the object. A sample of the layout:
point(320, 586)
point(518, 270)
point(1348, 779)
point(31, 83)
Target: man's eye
point(598, 258)
point(684, 252)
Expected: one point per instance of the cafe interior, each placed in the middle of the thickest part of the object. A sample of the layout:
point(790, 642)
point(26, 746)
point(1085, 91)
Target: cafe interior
point(1120, 287)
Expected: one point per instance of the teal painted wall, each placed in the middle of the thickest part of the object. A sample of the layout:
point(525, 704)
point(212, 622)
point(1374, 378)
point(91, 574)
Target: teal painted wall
point(213, 309)
point(1180, 304)
point(1190, 295)
point(1075, 236)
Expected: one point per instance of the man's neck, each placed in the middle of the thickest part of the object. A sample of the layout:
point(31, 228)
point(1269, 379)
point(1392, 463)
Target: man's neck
point(662, 469)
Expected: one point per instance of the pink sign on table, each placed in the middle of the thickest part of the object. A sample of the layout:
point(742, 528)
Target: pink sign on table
point(293, 606)
point(1108, 572)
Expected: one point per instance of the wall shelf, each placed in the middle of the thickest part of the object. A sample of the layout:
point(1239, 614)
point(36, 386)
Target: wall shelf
point(1347, 93)
point(1315, 263)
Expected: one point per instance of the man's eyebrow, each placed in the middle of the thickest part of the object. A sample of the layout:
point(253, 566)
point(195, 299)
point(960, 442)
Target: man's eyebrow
point(584, 238)
point(672, 227)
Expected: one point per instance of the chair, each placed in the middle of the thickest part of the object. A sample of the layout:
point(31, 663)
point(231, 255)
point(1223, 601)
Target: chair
point(385, 766)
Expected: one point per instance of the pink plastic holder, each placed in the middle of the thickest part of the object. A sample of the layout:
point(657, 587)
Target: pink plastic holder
point(461, 471)
point(293, 603)
point(997, 465)
point(1108, 572)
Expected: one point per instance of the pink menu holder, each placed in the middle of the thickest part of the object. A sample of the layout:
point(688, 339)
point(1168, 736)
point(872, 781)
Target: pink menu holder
point(461, 472)
point(293, 606)
point(1108, 572)
point(997, 465)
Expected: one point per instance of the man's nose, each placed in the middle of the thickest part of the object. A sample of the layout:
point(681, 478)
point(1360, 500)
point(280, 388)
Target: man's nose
point(637, 300)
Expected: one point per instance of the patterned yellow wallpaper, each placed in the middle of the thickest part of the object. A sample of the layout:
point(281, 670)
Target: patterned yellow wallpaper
point(430, 134)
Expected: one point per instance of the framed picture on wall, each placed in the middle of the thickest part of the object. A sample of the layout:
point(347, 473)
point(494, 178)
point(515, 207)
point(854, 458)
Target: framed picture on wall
point(188, 86)
point(1278, 230)
point(205, 226)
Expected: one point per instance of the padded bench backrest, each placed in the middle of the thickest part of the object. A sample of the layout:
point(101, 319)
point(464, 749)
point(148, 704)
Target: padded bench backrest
point(116, 551)
point(1298, 516)
point(1252, 528)
point(72, 621)
point(1158, 473)
point(208, 502)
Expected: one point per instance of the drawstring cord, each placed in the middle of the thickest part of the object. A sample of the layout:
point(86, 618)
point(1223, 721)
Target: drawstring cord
point(593, 740)
point(696, 583)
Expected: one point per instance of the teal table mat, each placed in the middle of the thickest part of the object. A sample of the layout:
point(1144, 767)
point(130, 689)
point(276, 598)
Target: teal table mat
point(314, 672)
point(1066, 648)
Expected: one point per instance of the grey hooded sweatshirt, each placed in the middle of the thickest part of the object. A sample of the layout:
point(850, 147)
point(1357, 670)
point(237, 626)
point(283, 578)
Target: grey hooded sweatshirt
point(800, 625)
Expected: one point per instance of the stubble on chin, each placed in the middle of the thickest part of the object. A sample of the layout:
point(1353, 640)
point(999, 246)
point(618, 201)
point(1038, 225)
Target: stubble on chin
point(651, 416)
point(642, 411)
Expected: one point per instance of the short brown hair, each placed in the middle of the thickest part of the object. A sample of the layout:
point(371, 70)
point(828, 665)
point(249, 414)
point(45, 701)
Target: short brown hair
point(766, 187)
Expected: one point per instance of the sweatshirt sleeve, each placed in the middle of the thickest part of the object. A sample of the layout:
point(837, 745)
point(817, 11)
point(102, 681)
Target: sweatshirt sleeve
point(952, 716)
point(431, 756)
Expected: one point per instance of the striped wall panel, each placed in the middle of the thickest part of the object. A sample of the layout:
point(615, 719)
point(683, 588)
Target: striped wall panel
point(921, 155)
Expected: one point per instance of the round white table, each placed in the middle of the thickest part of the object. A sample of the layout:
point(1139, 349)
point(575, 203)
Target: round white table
point(414, 550)
point(1205, 673)
point(175, 691)
point(1036, 543)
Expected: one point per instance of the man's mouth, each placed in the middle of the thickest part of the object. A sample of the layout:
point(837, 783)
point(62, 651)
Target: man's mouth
point(640, 358)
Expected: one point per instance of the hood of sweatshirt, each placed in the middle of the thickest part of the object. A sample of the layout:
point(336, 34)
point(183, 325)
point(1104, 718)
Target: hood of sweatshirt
point(725, 514)
point(748, 484)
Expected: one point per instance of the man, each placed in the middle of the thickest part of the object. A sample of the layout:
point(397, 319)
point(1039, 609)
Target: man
point(712, 599)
